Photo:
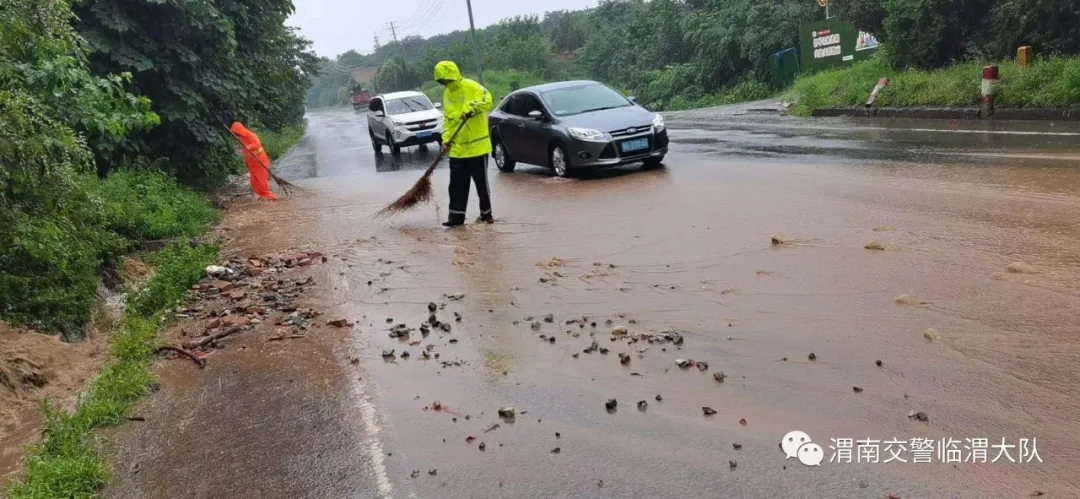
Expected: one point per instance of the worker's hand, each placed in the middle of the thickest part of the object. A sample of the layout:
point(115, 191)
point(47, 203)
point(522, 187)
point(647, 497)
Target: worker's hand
point(444, 149)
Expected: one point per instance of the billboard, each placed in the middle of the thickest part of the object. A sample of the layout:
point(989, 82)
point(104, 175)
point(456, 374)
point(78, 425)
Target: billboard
point(832, 43)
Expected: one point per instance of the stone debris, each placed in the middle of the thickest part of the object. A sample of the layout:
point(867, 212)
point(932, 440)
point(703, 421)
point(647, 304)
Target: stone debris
point(659, 398)
point(709, 411)
point(930, 334)
point(432, 307)
point(400, 331)
point(624, 358)
point(642, 405)
point(812, 356)
point(1021, 268)
point(732, 464)
point(433, 472)
point(455, 296)
point(684, 363)
point(388, 353)
point(670, 336)
point(483, 446)
point(874, 245)
point(549, 318)
point(507, 412)
point(736, 446)
point(414, 474)
point(703, 366)
point(535, 326)
point(857, 389)
point(611, 404)
point(556, 450)
point(719, 376)
point(742, 422)
point(919, 416)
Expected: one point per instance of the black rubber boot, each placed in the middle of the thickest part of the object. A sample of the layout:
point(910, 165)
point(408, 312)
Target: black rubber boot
point(454, 222)
point(486, 219)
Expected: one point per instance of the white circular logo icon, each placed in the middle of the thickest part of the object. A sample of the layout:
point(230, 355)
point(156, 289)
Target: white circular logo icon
point(811, 454)
point(792, 441)
point(631, 130)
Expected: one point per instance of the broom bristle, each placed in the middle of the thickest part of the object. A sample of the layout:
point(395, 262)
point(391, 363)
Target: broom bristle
point(420, 193)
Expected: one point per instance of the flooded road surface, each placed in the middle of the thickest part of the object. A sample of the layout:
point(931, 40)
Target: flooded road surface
point(981, 231)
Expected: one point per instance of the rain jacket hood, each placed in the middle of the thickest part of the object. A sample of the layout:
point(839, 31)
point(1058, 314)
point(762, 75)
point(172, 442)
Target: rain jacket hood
point(464, 97)
point(447, 70)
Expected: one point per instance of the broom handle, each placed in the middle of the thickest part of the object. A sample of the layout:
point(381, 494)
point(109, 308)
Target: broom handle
point(452, 137)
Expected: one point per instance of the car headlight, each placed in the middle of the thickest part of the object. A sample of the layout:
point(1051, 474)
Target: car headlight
point(658, 123)
point(586, 134)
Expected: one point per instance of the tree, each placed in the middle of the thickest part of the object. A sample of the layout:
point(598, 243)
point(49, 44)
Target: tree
point(54, 116)
point(202, 64)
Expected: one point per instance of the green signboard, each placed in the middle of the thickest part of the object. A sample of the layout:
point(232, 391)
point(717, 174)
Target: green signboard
point(833, 43)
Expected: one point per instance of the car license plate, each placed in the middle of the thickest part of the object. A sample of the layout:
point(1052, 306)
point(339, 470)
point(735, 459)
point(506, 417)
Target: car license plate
point(635, 145)
point(423, 135)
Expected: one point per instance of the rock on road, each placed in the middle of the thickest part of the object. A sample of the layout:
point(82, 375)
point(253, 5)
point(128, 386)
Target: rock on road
point(686, 247)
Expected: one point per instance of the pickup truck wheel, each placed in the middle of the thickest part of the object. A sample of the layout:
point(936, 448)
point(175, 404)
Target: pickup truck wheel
point(374, 143)
point(394, 148)
point(502, 159)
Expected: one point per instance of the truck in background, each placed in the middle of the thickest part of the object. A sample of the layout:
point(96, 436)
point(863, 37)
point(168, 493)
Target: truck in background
point(360, 97)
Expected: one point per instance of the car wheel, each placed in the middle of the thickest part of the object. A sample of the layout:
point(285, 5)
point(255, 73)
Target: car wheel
point(656, 162)
point(394, 148)
point(502, 158)
point(560, 162)
point(374, 142)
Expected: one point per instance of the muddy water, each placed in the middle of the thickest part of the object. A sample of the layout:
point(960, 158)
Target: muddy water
point(688, 247)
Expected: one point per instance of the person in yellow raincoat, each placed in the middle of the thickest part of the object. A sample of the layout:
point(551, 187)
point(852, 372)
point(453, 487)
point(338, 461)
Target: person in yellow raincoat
point(467, 101)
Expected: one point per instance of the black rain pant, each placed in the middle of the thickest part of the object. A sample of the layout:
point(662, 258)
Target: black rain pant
point(462, 170)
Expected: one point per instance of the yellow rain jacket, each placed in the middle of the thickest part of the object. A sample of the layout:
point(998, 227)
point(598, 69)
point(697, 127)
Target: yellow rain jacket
point(464, 96)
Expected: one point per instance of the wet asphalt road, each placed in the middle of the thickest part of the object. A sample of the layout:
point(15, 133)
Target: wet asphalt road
point(685, 247)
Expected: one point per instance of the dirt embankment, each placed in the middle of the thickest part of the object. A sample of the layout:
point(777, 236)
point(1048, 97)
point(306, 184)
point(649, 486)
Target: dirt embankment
point(35, 366)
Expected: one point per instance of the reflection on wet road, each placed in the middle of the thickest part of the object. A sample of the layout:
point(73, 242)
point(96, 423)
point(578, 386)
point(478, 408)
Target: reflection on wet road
point(688, 247)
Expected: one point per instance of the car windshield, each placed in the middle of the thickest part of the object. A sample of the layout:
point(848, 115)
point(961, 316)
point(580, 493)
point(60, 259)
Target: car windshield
point(408, 105)
point(583, 99)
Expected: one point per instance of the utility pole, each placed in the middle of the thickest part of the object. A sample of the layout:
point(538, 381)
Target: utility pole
point(393, 32)
point(476, 46)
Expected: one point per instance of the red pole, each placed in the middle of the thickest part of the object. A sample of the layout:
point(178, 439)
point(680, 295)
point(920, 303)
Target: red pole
point(989, 85)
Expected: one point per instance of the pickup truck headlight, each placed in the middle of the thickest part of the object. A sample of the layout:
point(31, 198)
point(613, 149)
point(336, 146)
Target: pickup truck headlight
point(658, 123)
point(586, 134)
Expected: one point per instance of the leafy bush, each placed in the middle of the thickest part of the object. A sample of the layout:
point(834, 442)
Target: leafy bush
point(142, 205)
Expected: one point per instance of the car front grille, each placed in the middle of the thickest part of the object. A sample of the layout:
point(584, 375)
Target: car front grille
point(634, 130)
point(422, 125)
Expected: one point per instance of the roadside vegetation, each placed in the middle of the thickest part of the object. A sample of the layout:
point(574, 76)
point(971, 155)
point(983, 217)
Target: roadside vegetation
point(108, 149)
point(1052, 82)
point(67, 462)
point(681, 54)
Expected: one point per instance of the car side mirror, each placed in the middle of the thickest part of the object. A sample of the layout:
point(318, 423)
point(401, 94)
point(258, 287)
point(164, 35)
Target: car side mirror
point(536, 115)
point(379, 114)
point(438, 105)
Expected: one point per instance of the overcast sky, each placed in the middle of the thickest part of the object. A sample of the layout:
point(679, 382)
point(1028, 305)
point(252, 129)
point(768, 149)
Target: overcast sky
point(336, 26)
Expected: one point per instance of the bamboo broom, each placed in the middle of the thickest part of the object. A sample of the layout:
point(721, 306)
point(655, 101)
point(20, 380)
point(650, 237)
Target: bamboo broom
point(422, 191)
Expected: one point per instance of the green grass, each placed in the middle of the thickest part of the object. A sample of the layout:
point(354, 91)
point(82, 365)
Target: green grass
point(1049, 82)
point(143, 205)
point(278, 143)
point(67, 463)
